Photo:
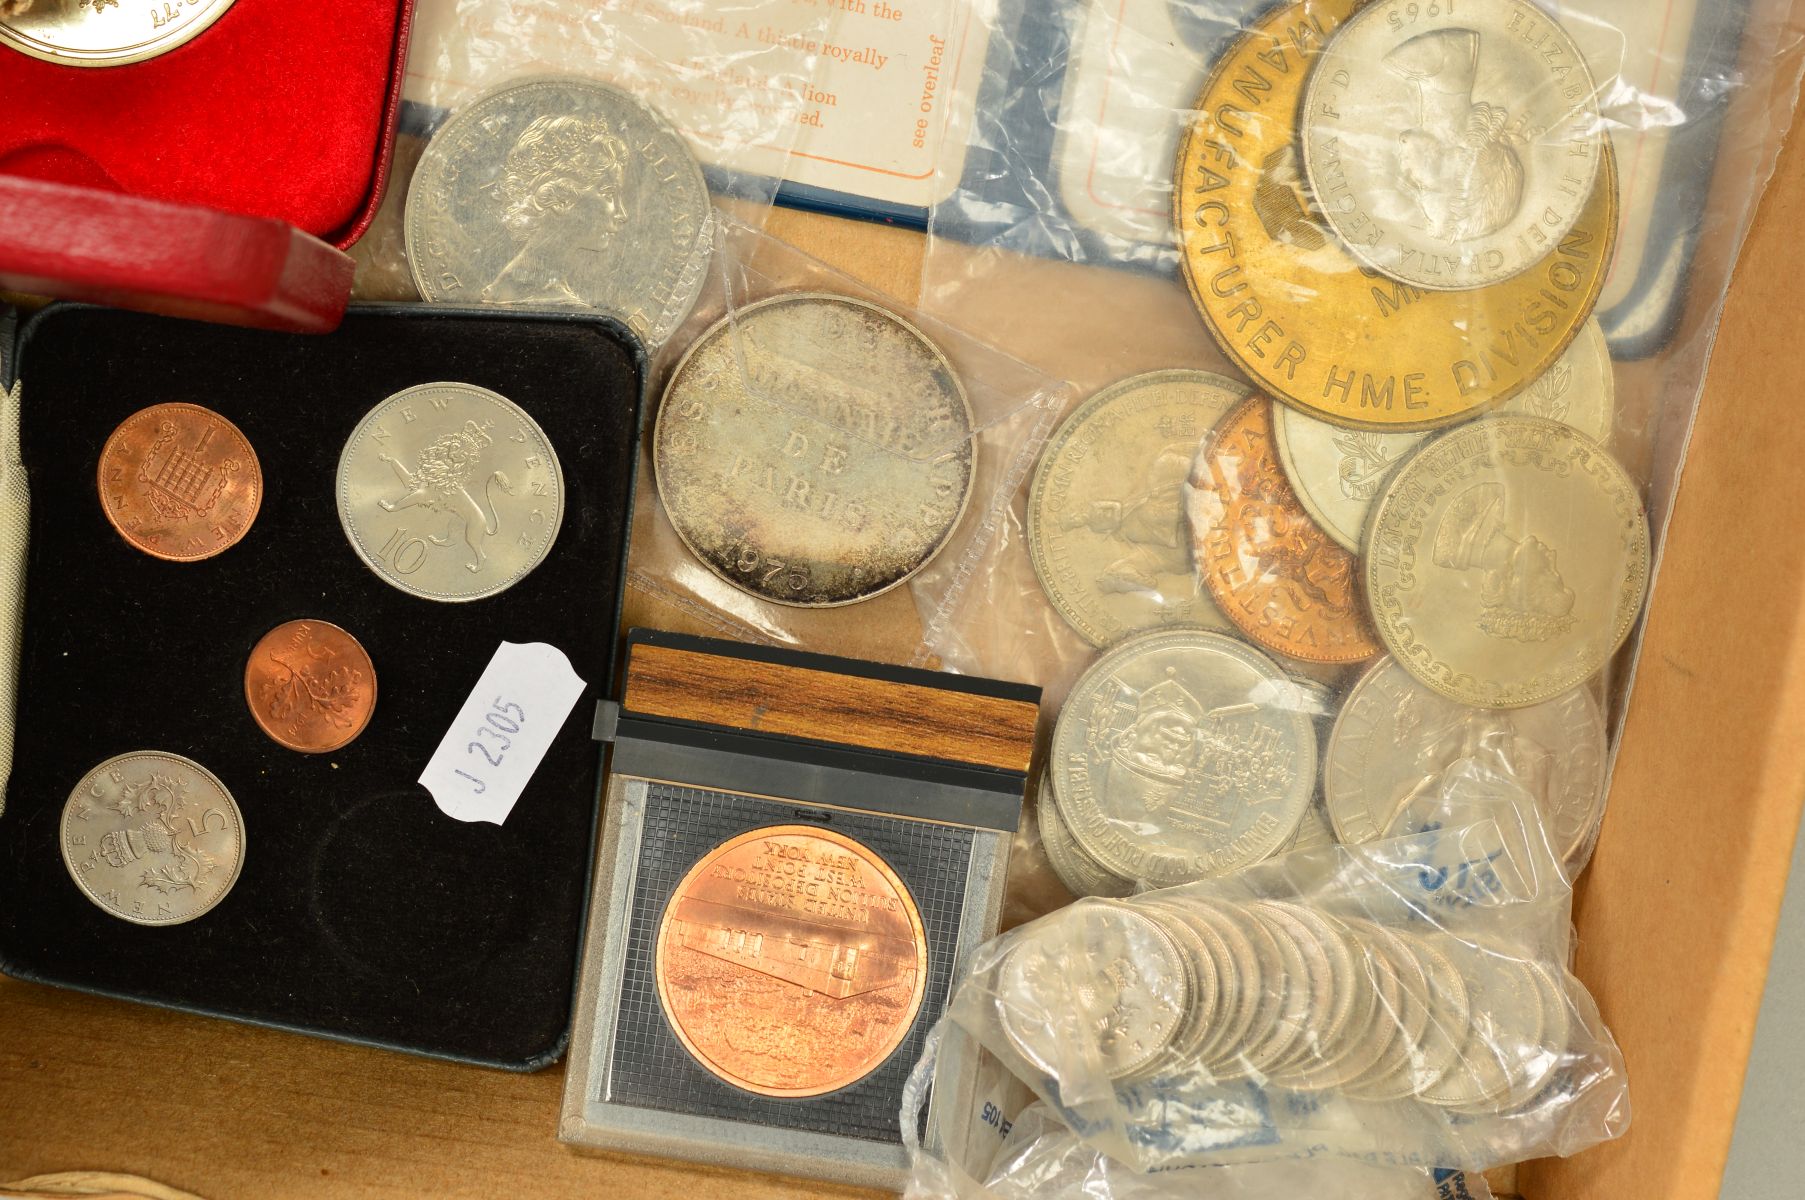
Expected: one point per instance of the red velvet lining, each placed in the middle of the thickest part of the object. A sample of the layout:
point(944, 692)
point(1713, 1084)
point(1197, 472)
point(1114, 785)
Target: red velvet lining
point(279, 110)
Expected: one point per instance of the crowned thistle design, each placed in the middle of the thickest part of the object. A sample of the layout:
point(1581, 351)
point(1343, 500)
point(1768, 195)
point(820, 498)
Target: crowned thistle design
point(162, 822)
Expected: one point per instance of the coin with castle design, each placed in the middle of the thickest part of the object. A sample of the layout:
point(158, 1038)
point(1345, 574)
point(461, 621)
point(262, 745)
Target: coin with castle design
point(1396, 739)
point(104, 33)
point(1271, 569)
point(152, 838)
point(180, 482)
point(1337, 473)
point(1183, 754)
point(450, 491)
point(1451, 145)
point(791, 961)
point(310, 686)
point(562, 192)
point(1107, 529)
point(1506, 561)
point(814, 450)
point(1310, 323)
point(1079, 872)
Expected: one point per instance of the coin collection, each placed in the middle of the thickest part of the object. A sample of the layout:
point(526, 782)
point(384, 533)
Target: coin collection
point(1419, 485)
point(446, 491)
point(1287, 994)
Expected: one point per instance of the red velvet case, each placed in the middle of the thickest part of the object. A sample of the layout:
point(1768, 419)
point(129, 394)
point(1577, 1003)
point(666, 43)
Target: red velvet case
point(282, 110)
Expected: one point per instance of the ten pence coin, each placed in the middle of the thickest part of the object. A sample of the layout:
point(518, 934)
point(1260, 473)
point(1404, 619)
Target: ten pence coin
point(814, 450)
point(152, 838)
point(1269, 567)
point(449, 491)
point(1182, 754)
point(775, 989)
point(1107, 528)
point(1452, 145)
point(558, 192)
point(1337, 473)
point(1507, 561)
point(310, 686)
point(1310, 323)
point(107, 33)
point(180, 482)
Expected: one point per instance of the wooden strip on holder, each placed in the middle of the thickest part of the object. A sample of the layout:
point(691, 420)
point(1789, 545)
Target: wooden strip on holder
point(824, 706)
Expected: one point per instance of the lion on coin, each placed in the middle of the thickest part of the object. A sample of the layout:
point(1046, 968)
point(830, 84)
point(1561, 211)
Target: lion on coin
point(441, 481)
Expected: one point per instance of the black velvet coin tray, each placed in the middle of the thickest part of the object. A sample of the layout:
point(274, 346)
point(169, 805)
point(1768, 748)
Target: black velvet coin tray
point(362, 911)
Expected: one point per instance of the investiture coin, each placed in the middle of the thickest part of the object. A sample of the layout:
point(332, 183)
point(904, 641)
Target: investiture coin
point(1315, 326)
point(180, 482)
point(791, 961)
point(152, 838)
point(450, 492)
point(1107, 529)
point(310, 686)
point(1337, 473)
point(1507, 561)
point(1452, 143)
point(814, 450)
point(1396, 739)
point(1183, 754)
point(1270, 568)
point(560, 192)
point(106, 33)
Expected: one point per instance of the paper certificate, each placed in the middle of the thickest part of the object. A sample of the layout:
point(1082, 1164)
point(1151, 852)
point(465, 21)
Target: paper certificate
point(855, 96)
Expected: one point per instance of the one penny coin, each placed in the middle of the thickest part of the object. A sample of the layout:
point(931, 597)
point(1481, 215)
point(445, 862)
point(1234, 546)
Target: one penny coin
point(791, 961)
point(180, 482)
point(310, 686)
point(1271, 569)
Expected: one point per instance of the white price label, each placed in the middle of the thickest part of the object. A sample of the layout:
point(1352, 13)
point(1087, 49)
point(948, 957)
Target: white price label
point(502, 732)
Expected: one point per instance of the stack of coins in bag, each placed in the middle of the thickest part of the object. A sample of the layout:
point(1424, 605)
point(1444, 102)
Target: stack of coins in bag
point(1396, 220)
point(1282, 993)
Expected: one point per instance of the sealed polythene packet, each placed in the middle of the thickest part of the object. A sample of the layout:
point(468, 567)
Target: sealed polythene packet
point(1403, 1002)
point(1387, 324)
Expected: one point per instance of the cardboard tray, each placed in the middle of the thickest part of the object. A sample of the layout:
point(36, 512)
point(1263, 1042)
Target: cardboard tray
point(362, 912)
point(1675, 920)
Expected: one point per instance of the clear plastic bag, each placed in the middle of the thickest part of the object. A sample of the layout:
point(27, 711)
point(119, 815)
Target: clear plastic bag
point(816, 445)
point(1141, 198)
point(1040, 1157)
point(705, 100)
point(1403, 1003)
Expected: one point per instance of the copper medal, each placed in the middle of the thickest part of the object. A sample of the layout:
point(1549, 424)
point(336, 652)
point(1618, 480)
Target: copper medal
point(791, 961)
point(180, 482)
point(310, 686)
